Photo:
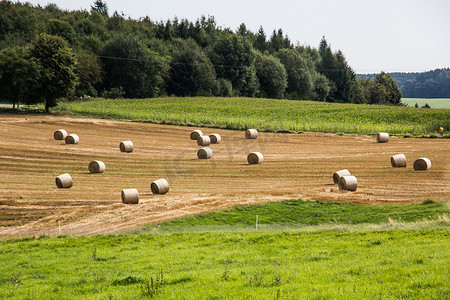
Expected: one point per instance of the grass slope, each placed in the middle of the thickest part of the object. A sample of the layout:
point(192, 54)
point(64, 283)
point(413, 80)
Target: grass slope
point(267, 114)
point(398, 263)
point(299, 212)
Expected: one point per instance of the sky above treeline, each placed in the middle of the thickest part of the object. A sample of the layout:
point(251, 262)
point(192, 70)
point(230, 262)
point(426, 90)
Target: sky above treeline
point(374, 35)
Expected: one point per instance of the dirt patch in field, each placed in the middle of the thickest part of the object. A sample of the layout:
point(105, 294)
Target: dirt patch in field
point(295, 166)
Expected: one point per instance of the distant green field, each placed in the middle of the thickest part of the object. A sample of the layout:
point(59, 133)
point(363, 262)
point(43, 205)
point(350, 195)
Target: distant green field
point(267, 114)
point(433, 103)
point(335, 259)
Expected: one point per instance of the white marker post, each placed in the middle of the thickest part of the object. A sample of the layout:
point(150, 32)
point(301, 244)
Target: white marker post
point(59, 227)
point(256, 223)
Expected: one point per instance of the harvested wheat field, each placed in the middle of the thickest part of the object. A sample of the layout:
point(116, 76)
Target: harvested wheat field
point(295, 166)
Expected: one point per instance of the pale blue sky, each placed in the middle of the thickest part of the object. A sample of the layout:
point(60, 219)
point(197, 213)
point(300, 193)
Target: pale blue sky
point(375, 35)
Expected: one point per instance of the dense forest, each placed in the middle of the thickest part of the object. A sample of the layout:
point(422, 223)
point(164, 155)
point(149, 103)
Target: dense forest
point(47, 53)
point(431, 84)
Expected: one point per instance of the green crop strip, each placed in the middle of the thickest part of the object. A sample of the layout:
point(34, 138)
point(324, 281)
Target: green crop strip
point(268, 115)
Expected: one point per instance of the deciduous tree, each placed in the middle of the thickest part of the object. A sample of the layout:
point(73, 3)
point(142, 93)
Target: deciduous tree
point(19, 76)
point(271, 75)
point(130, 64)
point(57, 68)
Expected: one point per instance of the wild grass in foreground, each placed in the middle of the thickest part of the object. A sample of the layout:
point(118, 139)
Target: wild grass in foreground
point(267, 114)
point(404, 261)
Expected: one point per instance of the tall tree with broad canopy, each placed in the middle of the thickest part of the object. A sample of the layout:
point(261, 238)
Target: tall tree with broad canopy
point(130, 64)
point(191, 72)
point(57, 68)
point(19, 76)
point(299, 77)
point(392, 93)
point(271, 75)
point(234, 60)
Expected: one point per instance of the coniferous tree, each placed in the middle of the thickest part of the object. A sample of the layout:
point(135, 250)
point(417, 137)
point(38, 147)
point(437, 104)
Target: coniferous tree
point(101, 7)
point(260, 41)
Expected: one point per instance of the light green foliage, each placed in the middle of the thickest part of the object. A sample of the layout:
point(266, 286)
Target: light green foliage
point(433, 103)
point(62, 29)
point(269, 115)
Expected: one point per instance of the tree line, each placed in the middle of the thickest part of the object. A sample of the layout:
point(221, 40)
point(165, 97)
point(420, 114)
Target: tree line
point(430, 84)
point(47, 53)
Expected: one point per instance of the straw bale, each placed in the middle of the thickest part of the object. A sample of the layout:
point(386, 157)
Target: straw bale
point(215, 138)
point(195, 134)
point(339, 174)
point(203, 140)
point(398, 161)
point(251, 134)
point(64, 181)
point(382, 137)
point(255, 158)
point(422, 164)
point(60, 134)
point(126, 146)
point(204, 153)
point(348, 183)
point(72, 139)
point(96, 166)
point(160, 186)
point(130, 196)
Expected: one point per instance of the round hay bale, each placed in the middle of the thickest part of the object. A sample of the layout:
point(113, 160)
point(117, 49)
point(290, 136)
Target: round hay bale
point(339, 174)
point(251, 134)
point(126, 146)
point(382, 137)
point(204, 153)
point(96, 166)
point(215, 138)
point(348, 183)
point(160, 186)
point(398, 161)
point(60, 134)
point(422, 164)
point(72, 139)
point(203, 140)
point(130, 196)
point(195, 134)
point(64, 181)
point(255, 158)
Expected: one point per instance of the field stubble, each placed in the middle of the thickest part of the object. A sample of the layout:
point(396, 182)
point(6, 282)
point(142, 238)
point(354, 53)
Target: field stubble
point(295, 166)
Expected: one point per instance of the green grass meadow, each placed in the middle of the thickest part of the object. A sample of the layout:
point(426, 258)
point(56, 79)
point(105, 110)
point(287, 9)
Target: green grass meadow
point(443, 103)
point(360, 258)
point(267, 115)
